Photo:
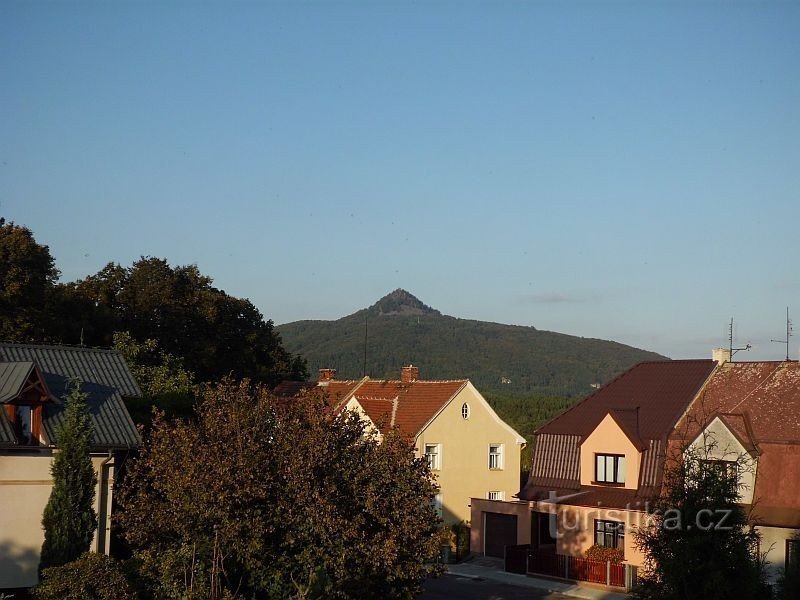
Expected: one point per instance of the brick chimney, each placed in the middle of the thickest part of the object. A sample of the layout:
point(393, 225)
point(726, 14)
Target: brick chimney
point(326, 375)
point(409, 374)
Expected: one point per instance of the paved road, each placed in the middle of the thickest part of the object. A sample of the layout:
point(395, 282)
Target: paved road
point(454, 587)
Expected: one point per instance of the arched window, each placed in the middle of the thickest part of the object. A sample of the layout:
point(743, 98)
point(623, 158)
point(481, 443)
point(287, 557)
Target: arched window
point(465, 411)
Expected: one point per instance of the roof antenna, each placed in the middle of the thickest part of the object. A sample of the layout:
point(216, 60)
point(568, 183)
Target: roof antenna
point(731, 349)
point(81, 337)
point(788, 334)
point(366, 321)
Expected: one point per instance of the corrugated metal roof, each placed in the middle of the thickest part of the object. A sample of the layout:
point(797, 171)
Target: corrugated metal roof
point(7, 436)
point(13, 376)
point(556, 461)
point(105, 378)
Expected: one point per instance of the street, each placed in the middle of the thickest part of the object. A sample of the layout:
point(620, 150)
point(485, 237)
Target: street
point(453, 586)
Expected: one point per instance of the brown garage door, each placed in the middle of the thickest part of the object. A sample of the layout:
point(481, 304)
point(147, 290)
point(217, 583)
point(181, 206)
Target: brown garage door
point(500, 531)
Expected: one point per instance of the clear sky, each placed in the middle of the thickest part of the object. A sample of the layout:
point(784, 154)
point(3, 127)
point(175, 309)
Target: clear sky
point(629, 171)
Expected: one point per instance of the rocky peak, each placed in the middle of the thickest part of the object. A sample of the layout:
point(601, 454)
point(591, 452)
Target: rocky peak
point(401, 302)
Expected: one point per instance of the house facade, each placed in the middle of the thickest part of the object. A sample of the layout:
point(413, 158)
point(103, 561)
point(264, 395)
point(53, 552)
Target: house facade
point(595, 466)
point(33, 383)
point(472, 452)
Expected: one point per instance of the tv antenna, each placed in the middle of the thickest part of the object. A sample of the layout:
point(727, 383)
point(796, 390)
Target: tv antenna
point(788, 334)
point(731, 349)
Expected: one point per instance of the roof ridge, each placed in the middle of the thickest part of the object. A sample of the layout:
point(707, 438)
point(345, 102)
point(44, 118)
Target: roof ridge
point(60, 347)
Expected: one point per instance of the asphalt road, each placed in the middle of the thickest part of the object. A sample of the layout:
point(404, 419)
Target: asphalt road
point(452, 586)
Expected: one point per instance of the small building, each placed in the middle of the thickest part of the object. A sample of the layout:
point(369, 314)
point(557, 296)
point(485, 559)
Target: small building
point(34, 380)
point(471, 450)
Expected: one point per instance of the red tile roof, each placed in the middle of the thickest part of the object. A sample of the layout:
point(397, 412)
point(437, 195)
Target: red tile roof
point(408, 406)
point(760, 403)
point(661, 389)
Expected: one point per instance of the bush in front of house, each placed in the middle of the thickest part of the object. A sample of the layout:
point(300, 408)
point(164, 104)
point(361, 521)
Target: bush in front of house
point(92, 576)
point(604, 554)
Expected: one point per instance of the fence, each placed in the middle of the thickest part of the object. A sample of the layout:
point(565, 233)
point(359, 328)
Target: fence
point(521, 559)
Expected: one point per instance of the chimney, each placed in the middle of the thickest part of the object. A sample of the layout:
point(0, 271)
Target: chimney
point(409, 374)
point(326, 375)
point(721, 355)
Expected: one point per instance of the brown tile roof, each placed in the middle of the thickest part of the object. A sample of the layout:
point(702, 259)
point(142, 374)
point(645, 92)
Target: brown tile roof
point(760, 403)
point(408, 406)
point(591, 496)
point(661, 389)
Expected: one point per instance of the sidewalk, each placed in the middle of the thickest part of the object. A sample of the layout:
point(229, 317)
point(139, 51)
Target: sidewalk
point(576, 590)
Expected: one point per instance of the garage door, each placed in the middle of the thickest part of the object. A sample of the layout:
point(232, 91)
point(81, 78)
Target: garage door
point(500, 531)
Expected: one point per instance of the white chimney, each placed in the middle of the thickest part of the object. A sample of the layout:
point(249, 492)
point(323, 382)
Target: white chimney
point(721, 355)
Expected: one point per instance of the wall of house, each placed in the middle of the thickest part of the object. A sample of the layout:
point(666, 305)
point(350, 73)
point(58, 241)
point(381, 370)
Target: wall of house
point(25, 485)
point(480, 507)
point(576, 530)
point(464, 454)
point(773, 542)
point(717, 442)
point(608, 438)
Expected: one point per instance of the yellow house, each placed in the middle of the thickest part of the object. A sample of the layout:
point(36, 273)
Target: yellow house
point(471, 450)
point(33, 382)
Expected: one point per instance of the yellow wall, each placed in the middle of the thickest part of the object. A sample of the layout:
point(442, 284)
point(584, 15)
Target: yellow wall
point(608, 438)
point(464, 453)
point(25, 485)
point(773, 542)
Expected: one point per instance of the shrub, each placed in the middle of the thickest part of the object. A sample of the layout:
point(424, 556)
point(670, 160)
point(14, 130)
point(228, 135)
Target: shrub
point(602, 553)
point(91, 577)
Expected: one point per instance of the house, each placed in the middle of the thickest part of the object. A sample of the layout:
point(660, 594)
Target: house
point(751, 410)
point(595, 466)
point(471, 450)
point(33, 383)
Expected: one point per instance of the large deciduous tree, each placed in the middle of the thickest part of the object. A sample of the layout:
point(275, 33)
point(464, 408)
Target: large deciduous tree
point(69, 519)
point(264, 498)
point(699, 544)
point(27, 277)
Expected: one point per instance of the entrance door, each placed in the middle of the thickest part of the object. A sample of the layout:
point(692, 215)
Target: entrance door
point(500, 531)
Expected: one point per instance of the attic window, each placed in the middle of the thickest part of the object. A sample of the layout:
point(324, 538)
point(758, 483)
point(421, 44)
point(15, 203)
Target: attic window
point(465, 411)
point(609, 468)
point(23, 420)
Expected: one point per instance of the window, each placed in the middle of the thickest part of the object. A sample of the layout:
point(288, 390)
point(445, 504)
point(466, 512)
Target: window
point(22, 418)
point(610, 534)
point(433, 455)
point(609, 468)
point(495, 495)
point(495, 456)
point(792, 554)
point(465, 411)
point(724, 468)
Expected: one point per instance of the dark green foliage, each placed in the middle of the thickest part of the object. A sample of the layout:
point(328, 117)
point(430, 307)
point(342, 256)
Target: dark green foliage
point(27, 278)
point(164, 381)
point(403, 330)
point(91, 577)
point(700, 545)
point(69, 518)
point(273, 500)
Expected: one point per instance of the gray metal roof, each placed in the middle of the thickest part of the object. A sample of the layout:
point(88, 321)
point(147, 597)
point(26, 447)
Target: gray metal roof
point(105, 378)
point(13, 376)
point(7, 437)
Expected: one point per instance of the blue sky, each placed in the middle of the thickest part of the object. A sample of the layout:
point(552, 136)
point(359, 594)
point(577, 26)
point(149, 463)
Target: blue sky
point(629, 171)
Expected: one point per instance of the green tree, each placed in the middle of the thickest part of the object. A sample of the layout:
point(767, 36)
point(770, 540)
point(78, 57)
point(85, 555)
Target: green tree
point(27, 279)
point(91, 577)
point(265, 498)
point(164, 381)
point(69, 519)
point(699, 544)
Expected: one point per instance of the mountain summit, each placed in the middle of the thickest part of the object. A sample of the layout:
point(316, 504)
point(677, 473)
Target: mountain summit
point(508, 359)
point(401, 302)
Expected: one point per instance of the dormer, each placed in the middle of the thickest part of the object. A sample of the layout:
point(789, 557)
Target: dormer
point(611, 454)
point(23, 395)
point(727, 440)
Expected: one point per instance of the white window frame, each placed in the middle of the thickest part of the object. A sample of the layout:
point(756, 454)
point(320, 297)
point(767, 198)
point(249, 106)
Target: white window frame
point(496, 458)
point(498, 495)
point(436, 463)
point(465, 411)
point(438, 504)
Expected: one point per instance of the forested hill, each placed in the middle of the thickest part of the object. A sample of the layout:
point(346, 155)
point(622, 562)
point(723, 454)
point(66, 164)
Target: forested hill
point(504, 359)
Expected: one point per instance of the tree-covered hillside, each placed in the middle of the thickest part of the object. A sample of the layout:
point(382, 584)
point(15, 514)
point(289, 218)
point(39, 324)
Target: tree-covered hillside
point(503, 359)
